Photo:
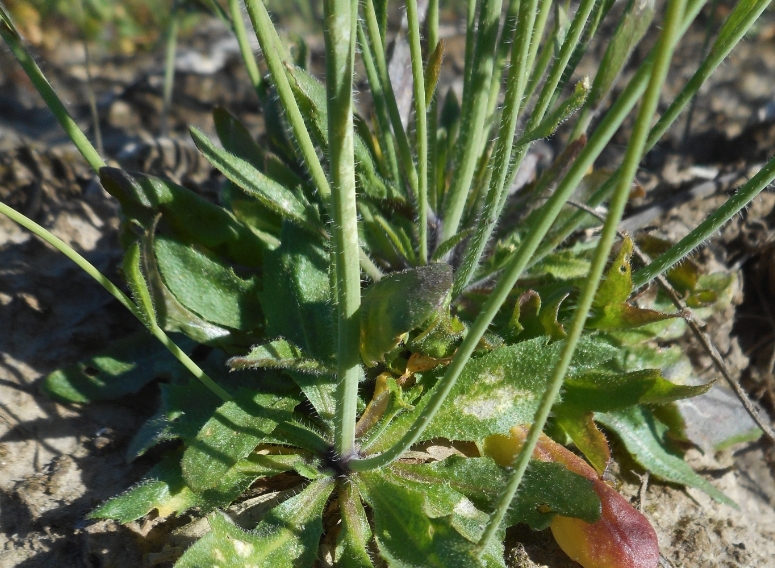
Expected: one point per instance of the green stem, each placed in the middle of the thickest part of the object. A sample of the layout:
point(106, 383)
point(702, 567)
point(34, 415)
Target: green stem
point(515, 89)
point(14, 41)
point(474, 111)
point(433, 110)
point(169, 68)
point(380, 104)
point(682, 248)
point(496, 197)
point(267, 38)
point(737, 25)
point(504, 43)
point(667, 41)
point(404, 150)
point(545, 217)
point(340, 31)
point(92, 271)
point(246, 51)
point(421, 129)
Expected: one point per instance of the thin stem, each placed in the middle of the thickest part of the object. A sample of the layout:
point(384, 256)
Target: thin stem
point(515, 89)
point(736, 26)
point(169, 68)
point(474, 111)
point(14, 41)
point(670, 33)
point(404, 150)
point(240, 31)
point(420, 118)
point(713, 223)
point(267, 38)
point(386, 139)
point(433, 110)
point(340, 31)
point(496, 198)
point(92, 271)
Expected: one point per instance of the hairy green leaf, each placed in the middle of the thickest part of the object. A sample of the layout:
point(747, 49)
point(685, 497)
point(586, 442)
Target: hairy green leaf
point(297, 295)
point(192, 218)
point(164, 489)
point(400, 303)
point(643, 436)
point(406, 535)
point(271, 194)
point(234, 430)
point(605, 392)
point(481, 480)
point(236, 139)
point(287, 537)
point(123, 368)
point(499, 390)
point(278, 354)
point(207, 286)
point(355, 534)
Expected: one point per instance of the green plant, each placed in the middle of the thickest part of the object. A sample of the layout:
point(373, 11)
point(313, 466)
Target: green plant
point(425, 348)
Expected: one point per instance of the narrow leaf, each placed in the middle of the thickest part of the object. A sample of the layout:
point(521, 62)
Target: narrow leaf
point(279, 354)
point(355, 534)
point(643, 436)
point(136, 281)
point(273, 195)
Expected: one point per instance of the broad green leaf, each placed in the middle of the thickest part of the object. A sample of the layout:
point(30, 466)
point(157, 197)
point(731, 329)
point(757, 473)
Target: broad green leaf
point(398, 304)
point(192, 218)
point(297, 294)
point(287, 537)
point(270, 193)
point(207, 286)
point(316, 380)
point(643, 436)
point(278, 354)
point(320, 391)
point(406, 535)
point(442, 501)
point(235, 429)
point(355, 535)
point(605, 392)
point(136, 281)
point(123, 368)
point(547, 489)
point(499, 390)
point(164, 489)
point(173, 315)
